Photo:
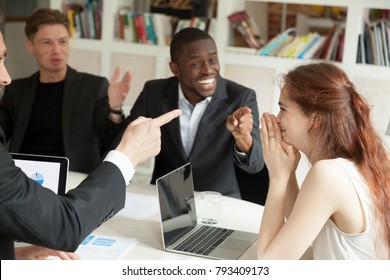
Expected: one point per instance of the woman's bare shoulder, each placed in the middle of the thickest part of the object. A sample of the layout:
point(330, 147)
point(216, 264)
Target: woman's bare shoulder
point(328, 175)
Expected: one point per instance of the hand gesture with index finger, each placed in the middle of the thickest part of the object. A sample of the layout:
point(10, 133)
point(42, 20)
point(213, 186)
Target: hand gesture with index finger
point(142, 137)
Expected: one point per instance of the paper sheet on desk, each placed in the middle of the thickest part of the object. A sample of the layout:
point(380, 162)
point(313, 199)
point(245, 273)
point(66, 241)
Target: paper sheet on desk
point(96, 247)
point(139, 206)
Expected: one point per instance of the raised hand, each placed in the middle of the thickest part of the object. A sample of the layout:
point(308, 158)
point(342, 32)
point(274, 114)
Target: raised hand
point(118, 90)
point(240, 124)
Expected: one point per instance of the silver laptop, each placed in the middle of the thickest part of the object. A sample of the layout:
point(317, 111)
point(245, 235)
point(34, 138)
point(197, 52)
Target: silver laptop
point(48, 171)
point(181, 233)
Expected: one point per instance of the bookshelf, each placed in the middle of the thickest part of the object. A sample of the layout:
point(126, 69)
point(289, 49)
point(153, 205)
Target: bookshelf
point(240, 64)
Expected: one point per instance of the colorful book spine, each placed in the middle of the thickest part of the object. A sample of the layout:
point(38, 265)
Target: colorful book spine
point(70, 15)
point(274, 43)
point(141, 30)
point(312, 42)
point(240, 22)
point(151, 37)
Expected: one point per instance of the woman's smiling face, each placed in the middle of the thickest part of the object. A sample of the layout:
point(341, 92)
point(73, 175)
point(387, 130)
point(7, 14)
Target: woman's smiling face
point(293, 123)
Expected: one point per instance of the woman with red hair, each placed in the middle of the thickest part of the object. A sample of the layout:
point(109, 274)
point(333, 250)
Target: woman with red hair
point(342, 208)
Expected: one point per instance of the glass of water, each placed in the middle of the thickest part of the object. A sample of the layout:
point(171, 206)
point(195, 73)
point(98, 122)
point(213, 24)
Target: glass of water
point(209, 207)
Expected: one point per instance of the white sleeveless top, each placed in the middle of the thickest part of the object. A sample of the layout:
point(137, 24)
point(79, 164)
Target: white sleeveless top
point(331, 243)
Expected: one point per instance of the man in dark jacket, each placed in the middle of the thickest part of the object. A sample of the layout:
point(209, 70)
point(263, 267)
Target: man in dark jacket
point(58, 111)
point(219, 128)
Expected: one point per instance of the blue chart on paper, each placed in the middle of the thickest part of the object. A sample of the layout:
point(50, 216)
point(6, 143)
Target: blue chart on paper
point(38, 177)
point(98, 241)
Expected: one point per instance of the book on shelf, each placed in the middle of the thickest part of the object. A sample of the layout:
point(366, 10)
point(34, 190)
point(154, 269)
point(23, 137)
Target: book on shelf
point(144, 28)
point(324, 48)
point(340, 47)
point(331, 51)
point(309, 53)
point(84, 23)
point(90, 10)
point(385, 42)
point(97, 17)
point(277, 42)
point(126, 28)
point(282, 44)
point(72, 29)
point(151, 36)
point(162, 28)
point(181, 24)
point(245, 25)
point(303, 41)
point(78, 28)
point(201, 23)
point(375, 42)
point(73, 13)
point(361, 53)
point(288, 44)
point(368, 44)
point(84, 19)
point(123, 26)
point(141, 29)
point(332, 46)
point(310, 44)
point(287, 51)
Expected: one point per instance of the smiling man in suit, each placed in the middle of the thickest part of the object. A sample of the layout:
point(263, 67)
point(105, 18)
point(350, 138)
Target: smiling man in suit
point(58, 111)
point(219, 126)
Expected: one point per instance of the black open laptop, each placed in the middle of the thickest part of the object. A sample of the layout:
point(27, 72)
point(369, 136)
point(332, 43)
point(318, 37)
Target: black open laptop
point(181, 232)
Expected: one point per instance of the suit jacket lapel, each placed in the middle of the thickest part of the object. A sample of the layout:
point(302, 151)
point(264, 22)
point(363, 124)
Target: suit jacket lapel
point(67, 103)
point(170, 102)
point(24, 113)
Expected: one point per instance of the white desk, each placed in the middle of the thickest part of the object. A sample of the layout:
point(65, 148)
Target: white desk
point(235, 214)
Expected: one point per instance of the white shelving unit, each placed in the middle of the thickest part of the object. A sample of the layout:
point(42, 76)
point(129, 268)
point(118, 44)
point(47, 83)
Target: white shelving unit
point(239, 64)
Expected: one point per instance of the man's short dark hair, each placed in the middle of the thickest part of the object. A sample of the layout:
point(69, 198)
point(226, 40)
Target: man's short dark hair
point(184, 37)
point(44, 16)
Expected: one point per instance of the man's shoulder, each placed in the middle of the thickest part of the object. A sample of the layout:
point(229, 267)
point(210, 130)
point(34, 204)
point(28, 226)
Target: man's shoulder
point(74, 75)
point(88, 77)
point(161, 86)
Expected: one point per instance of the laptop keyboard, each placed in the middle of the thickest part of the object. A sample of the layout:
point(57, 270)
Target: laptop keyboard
point(172, 236)
point(204, 240)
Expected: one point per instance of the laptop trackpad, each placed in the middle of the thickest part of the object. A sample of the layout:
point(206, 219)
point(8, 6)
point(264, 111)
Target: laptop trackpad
point(230, 249)
point(234, 244)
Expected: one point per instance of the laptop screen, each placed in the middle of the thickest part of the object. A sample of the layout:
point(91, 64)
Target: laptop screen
point(48, 171)
point(177, 204)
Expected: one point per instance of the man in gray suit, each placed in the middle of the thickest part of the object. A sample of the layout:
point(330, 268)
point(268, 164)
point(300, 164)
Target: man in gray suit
point(59, 111)
point(39, 216)
point(219, 127)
